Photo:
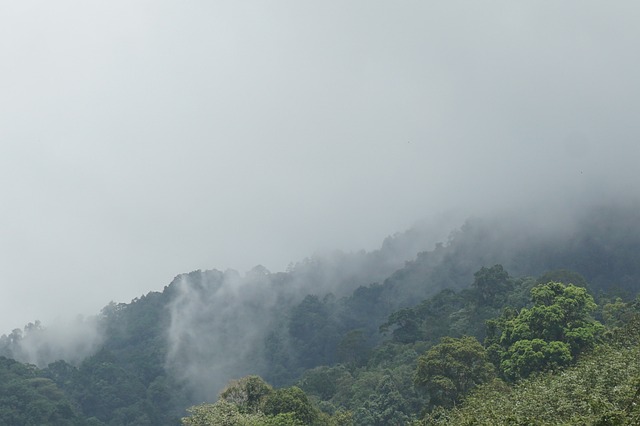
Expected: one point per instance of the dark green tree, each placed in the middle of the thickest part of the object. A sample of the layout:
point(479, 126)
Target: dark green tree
point(291, 400)
point(315, 331)
point(491, 285)
point(386, 407)
point(406, 323)
point(452, 368)
point(27, 398)
point(352, 349)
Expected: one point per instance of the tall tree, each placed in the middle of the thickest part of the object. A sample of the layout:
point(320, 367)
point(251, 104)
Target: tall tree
point(549, 334)
point(452, 368)
point(491, 284)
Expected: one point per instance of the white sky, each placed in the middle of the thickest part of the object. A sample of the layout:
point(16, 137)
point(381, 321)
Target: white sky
point(143, 139)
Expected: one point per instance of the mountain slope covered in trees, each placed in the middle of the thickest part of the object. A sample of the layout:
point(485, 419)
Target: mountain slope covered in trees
point(342, 333)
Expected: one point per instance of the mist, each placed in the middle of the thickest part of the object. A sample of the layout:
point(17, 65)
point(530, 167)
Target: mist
point(71, 340)
point(139, 141)
point(221, 323)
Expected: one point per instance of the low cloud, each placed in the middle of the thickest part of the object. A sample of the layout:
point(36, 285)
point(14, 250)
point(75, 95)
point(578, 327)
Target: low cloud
point(71, 340)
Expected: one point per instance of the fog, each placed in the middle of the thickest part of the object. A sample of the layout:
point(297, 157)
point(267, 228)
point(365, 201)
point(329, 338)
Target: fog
point(142, 140)
point(223, 324)
point(216, 321)
point(71, 340)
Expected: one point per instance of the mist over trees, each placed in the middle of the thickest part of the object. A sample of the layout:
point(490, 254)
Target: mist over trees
point(175, 177)
point(367, 338)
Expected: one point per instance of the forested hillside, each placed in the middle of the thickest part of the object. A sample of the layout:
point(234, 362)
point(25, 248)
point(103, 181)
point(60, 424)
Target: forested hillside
point(364, 338)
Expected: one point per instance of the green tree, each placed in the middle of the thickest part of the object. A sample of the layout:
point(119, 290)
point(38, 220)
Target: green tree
point(603, 388)
point(246, 393)
point(549, 334)
point(323, 382)
point(526, 356)
point(616, 313)
point(406, 323)
point(315, 331)
point(291, 400)
point(452, 368)
point(491, 284)
point(27, 398)
point(386, 407)
point(352, 349)
point(222, 413)
point(250, 401)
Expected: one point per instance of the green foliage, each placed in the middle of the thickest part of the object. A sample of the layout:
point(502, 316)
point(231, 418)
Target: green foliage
point(125, 383)
point(549, 334)
point(616, 313)
point(382, 389)
point(315, 331)
point(353, 349)
point(601, 389)
point(407, 325)
point(27, 398)
point(386, 407)
point(291, 400)
point(452, 368)
point(247, 393)
point(527, 356)
point(340, 418)
point(323, 382)
point(492, 285)
point(250, 401)
point(455, 314)
point(222, 413)
point(332, 344)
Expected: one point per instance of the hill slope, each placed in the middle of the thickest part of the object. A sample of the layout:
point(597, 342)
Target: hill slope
point(167, 350)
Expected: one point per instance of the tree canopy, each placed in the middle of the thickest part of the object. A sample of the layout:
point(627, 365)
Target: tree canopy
point(548, 335)
point(450, 369)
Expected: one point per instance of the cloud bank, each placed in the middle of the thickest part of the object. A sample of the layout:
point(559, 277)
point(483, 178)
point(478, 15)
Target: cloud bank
point(140, 140)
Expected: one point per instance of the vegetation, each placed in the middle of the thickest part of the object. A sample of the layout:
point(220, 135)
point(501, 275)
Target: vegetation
point(486, 329)
point(28, 398)
point(548, 335)
point(603, 388)
point(450, 369)
point(251, 401)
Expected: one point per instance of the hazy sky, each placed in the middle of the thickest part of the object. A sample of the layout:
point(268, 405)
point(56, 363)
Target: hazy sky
point(143, 139)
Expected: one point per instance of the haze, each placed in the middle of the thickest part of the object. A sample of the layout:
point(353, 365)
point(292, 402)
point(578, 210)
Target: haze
point(140, 140)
